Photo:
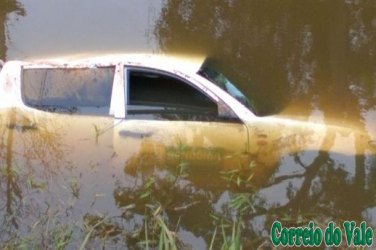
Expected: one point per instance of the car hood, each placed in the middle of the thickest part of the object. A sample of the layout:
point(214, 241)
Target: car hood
point(270, 138)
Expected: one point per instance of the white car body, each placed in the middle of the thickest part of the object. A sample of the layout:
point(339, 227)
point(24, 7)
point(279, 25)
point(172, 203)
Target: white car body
point(261, 139)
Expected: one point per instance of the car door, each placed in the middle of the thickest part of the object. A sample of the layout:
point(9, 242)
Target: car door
point(68, 109)
point(57, 140)
point(169, 120)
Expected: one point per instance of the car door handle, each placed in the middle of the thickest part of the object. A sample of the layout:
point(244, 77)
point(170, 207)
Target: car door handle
point(22, 128)
point(136, 134)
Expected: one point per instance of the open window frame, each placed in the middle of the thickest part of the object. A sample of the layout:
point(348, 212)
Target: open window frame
point(166, 111)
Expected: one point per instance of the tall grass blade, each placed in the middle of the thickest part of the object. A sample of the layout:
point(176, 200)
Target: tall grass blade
point(212, 241)
point(87, 237)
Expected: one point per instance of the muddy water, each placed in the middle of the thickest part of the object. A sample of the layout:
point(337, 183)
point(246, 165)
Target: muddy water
point(312, 60)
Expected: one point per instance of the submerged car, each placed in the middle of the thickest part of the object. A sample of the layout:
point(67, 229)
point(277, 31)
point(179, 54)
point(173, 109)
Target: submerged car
point(155, 110)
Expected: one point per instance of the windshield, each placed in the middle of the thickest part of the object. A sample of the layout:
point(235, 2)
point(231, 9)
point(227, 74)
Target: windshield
point(221, 81)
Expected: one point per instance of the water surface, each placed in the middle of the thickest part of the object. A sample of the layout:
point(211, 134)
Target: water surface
point(312, 60)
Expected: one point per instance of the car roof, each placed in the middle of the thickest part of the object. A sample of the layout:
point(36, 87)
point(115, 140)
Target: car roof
point(183, 65)
point(168, 62)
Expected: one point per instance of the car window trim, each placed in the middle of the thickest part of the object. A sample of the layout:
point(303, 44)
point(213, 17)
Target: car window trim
point(118, 71)
point(118, 96)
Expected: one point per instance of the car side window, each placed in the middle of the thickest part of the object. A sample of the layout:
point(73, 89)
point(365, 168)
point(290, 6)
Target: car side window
point(154, 95)
point(69, 90)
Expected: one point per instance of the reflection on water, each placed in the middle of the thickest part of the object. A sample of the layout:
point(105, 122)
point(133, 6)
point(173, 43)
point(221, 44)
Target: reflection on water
point(70, 27)
point(280, 52)
point(314, 60)
point(7, 7)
